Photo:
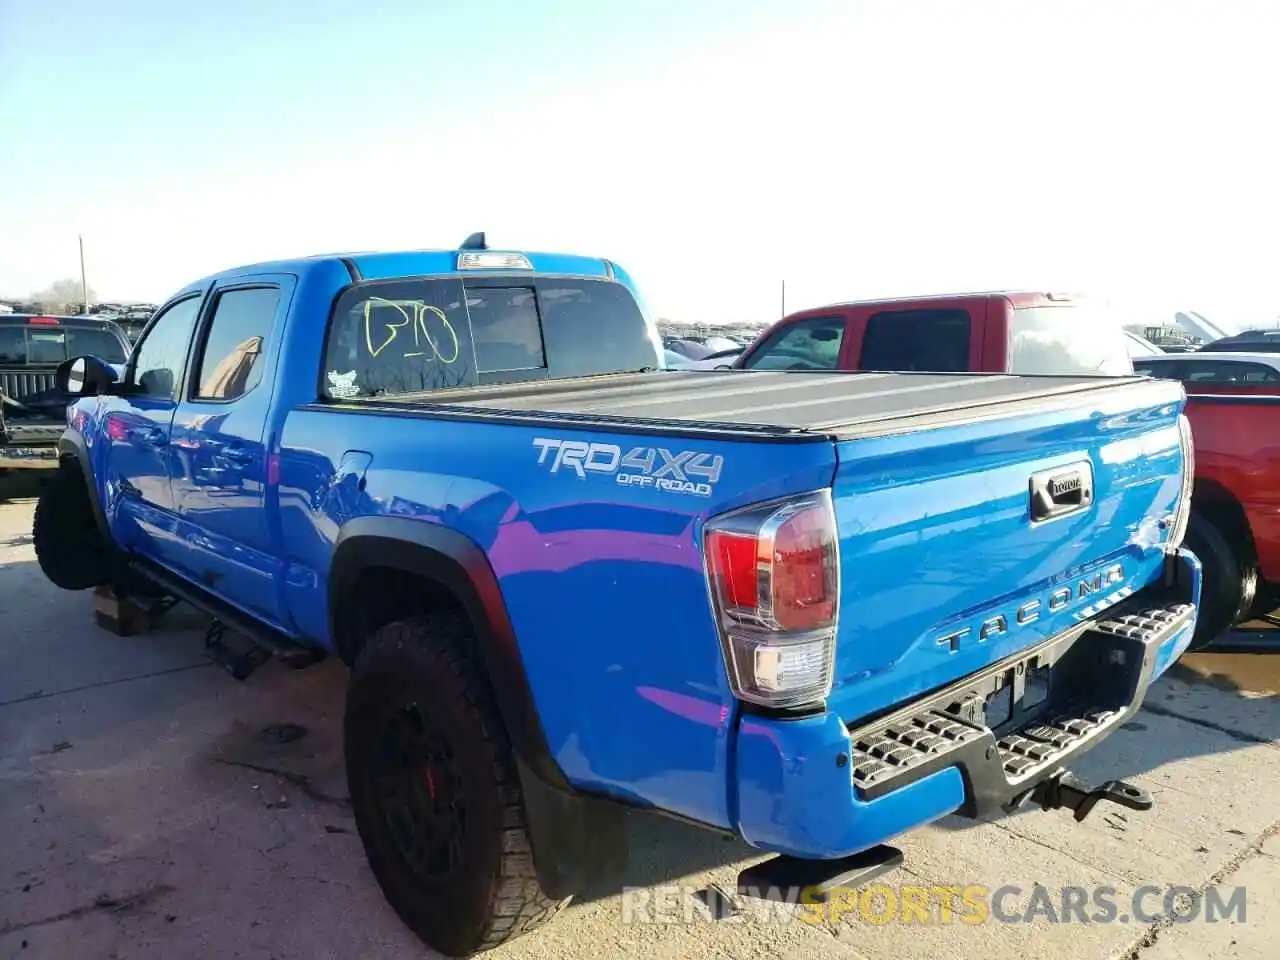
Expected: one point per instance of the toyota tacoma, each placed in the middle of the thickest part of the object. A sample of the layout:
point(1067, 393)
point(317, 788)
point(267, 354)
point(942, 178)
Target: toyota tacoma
point(812, 610)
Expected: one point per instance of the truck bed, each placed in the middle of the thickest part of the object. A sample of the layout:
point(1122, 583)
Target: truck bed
point(797, 405)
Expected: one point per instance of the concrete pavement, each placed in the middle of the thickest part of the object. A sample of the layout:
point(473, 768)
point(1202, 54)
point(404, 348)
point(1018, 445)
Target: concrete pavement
point(144, 813)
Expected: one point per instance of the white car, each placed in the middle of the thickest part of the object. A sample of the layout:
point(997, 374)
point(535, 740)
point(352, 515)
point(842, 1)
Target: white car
point(1214, 367)
point(720, 360)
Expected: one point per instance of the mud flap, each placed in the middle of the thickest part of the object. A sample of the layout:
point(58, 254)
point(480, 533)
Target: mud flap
point(576, 840)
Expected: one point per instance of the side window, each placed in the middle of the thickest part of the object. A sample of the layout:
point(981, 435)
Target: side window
point(230, 359)
point(917, 340)
point(408, 335)
point(809, 344)
point(1207, 372)
point(1161, 371)
point(161, 356)
point(1260, 373)
point(1227, 371)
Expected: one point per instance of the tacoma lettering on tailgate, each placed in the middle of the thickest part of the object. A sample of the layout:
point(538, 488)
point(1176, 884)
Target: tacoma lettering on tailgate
point(1030, 611)
point(682, 471)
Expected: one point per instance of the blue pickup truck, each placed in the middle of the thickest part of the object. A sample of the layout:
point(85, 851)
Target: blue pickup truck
point(813, 610)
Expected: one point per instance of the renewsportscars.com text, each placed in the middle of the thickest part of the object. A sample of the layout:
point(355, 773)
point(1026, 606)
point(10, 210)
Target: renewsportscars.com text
point(936, 904)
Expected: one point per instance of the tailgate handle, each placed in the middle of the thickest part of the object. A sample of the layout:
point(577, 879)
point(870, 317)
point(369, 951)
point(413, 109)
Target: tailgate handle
point(1062, 491)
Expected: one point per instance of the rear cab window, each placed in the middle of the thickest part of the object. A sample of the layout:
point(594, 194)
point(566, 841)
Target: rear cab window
point(49, 344)
point(1071, 339)
point(436, 333)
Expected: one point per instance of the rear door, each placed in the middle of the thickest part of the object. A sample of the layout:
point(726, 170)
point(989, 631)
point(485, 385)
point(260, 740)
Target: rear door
point(220, 444)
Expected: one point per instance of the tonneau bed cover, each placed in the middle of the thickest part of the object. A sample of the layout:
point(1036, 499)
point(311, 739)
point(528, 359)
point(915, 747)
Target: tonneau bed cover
point(797, 405)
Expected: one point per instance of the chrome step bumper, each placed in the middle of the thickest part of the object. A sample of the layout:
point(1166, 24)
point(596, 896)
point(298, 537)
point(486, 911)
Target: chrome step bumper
point(1061, 696)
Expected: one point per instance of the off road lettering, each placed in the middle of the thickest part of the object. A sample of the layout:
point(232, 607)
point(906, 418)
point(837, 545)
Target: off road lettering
point(680, 471)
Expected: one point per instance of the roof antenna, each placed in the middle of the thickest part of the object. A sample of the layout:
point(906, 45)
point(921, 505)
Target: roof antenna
point(474, 242)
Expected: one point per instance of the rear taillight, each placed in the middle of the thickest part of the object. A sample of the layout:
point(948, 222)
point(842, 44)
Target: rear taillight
point(1182, 512)
point(116, 430)
point(44, 321)
point(775, 585)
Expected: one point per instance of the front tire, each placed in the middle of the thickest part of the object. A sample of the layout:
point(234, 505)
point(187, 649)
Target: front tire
point(434, 790)
point(1229, 584)
point(70, 548)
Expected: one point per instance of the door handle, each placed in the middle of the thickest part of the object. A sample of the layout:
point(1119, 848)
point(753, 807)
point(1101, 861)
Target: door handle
point(151, 436)
point(238, 454)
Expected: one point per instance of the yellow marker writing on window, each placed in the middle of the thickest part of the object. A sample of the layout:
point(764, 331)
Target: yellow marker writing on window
point(413, 314)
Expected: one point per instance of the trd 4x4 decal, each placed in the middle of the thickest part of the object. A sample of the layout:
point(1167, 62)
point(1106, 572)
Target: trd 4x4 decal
point(680, 471)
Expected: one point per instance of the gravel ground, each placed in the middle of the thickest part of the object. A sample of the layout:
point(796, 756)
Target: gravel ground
point(144, 815)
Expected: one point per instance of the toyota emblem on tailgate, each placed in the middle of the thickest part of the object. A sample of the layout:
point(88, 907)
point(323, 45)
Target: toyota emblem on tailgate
point(1061, 492)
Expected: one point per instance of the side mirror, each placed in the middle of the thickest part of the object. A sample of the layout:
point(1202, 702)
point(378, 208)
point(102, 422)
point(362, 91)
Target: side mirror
point(85, 376)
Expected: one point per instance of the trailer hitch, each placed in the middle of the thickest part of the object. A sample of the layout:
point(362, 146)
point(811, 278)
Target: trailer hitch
point(1066, 790)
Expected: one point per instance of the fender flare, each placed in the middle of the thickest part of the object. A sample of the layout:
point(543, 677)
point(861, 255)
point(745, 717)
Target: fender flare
point(575, 837)
point(72, 446)
point(456, 562)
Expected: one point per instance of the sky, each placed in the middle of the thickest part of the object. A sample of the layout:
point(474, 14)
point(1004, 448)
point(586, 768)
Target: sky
point(714, 148)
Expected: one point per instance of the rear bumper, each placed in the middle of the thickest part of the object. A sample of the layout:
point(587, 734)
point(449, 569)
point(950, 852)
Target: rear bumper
point(27, 445)
point(814, 788)
point(28, 457)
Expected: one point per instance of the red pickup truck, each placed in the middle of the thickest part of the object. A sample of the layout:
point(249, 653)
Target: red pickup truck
point(1012, 332)
point(1235, 514)
point(1235, 523)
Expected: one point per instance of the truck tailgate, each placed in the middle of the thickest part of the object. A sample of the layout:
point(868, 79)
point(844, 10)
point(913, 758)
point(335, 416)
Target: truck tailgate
point(979, 535)
point(18, 383)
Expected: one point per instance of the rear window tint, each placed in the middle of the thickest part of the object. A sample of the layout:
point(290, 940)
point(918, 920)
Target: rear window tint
point(1069, 340)
point(506, 329)
point(430, 334)
point(38, 345)
point(398, 337)
point(593, 326)
point(936, 341)
point(13, 345)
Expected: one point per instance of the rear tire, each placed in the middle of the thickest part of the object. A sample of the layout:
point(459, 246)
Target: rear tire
point(435, 792)
point(1229, 584)
point(70, 548)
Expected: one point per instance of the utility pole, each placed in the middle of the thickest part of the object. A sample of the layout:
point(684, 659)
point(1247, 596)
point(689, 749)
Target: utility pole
point(784, 297)
point(84, 282)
